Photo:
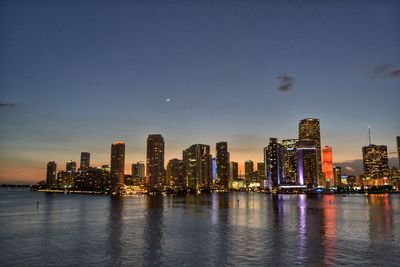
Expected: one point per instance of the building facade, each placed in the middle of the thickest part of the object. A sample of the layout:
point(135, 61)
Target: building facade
point(375, 162)
point(222, 158)
point(155, 170)
point(199, 167)
point(175, 176)
point(85, 162)
point(274, 160)
point(117, 166)
point(327, 165)
point(290, 160)
point(51, 176)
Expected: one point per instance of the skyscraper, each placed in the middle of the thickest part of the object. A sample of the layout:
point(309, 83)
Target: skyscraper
point(248, 171)
point(222, 156)
point(274, 163)
point(175, 175)
point(398, 149)
point(233, 171)
point(327, 166)
point(51, 181)
point(85, 162)
point(375, 161)
point(310, 137)
point(138, 172)
point(70, 166)
point(260, 171)
point(117, 165)
point(337, 174)
point(155, 171)
point(290, 159)
point(199, 167)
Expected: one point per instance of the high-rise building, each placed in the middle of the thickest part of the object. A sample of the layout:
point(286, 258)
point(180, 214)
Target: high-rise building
point(70, 166)
point(375, 161)
point(307, 162)
point(175, 176)
point(155, 171)
point(199, 167)
point(398, 149)
point(85, 162)
point(310, 137)
point(117, 165)
point(327, 165)
point(337, 174)
point(290, 160)
point(51, 179)
point(222, 156)
point(260, 171)
point(233, 171)
point(138, 170)
point(248, 171)
point(274, 160)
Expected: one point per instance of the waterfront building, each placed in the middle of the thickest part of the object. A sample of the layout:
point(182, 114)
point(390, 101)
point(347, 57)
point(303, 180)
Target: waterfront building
point(248, 171)
point(138, 172)
point(155, 171)
point(175, 176)
point(310, 137)
point(398, 150)
point(85, 162)
point(375, 163)
point(337, 174)
point(260, 171)
point(274, 159)
point(327, 165)
point(70, 166)
point(117, 166)
point(199, 167)
point(307, 162)
point(66, 180)
point(233, 171)
point(290, 160)
point(51, 181)
point(214, 170)
point(222, 157)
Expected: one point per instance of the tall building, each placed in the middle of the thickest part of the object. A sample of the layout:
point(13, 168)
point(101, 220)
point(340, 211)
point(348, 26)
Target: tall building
point(260, 171)
point(117, 165)
point(233, 171)
point(138, 170)
point(290, 159)
point(51, 179)
point(222, 156)
point(307, 164)
point(327, 165)
point(199, 167)
point(375, 161)
point(310, 137)
point(248, 171)
point(398, 149)
point(155, 171)
point(70, 166)
point(337, 174)
point(274, 160)
point(175, 176)
point(85, 162)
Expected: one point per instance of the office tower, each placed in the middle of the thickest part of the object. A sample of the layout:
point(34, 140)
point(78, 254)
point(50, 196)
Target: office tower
point(222, 157)
point(309, 137)
point(260, 171)
point(138, 172)
point(398, 149)
point(70, 166)
point(175, 175)
point(85, 162)
point(248, 171)
point(155, 171)
point(117, 166)
point(290, 160)
point(375, 161)
point(327, 167)
point(274, 163)
point(307, 162)
point(199, 167)
point(233, 171)
point(337, 174)
point(51, 181)
point(214, 169)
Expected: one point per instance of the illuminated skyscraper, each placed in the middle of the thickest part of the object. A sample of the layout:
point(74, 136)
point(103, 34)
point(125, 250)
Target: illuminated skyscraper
point(398, 149)
point(337, 174)
point(274, 163)
point(51, 181)
point(307, 164)
point(310, 137)
point(70, 166)
point(248, 171)
point(199, 167)
point(375, 160)
point(85, 162)
point(175, 176)
point(155, 171)
point(327, 166)
point(117, 165)
point(138, 172)
point(290, 159)
point(222, 156)
point(233, 171)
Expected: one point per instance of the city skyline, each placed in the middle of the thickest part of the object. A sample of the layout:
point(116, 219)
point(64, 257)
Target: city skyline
point(77, 76)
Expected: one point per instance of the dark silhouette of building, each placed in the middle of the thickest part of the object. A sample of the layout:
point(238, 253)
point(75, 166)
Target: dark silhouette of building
point(51, 177)
point(70, 166)
point(155, 161)
point(85, 162)
point(117, 166)
point(222, 157)
point(233, 171)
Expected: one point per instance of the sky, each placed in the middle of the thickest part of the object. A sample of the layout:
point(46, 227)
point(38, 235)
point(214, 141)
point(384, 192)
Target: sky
point(78, 75)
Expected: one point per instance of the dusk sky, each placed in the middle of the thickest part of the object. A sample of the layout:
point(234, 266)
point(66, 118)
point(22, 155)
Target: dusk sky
point(78, 75)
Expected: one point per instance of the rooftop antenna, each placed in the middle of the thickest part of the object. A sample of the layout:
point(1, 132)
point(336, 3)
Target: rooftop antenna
point(369, 134)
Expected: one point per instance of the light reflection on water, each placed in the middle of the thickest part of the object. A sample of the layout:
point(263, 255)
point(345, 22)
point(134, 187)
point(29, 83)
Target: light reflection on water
point(235, 229)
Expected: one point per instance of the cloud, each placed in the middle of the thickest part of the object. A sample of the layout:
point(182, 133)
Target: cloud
point(286, 82)
point(385, 71)
point(7, 105)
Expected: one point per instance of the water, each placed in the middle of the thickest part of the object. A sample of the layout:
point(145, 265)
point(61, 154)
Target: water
point(225, 229)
